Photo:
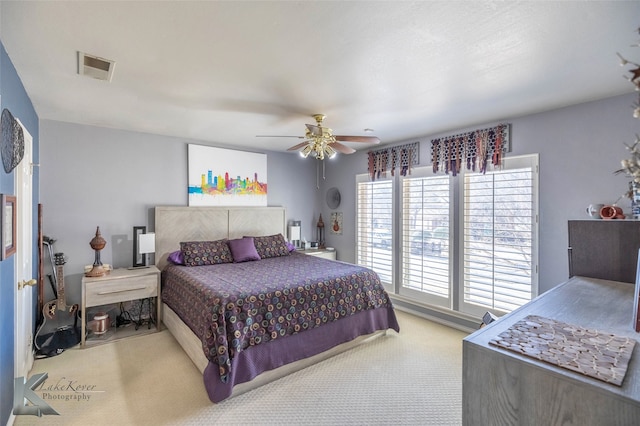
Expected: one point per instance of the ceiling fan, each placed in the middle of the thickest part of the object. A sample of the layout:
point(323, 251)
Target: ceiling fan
point(321, 142)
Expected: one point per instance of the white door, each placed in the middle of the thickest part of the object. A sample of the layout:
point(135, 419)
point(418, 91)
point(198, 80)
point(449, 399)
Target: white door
point(23, 261)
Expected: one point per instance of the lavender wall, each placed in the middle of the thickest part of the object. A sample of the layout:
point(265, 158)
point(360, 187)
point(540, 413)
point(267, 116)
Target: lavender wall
point(94, 176)
point(579, 147)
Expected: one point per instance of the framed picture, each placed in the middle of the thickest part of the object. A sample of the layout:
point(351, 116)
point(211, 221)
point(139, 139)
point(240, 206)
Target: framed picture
point(336, 223)
point(8, 212)
point(226, 177)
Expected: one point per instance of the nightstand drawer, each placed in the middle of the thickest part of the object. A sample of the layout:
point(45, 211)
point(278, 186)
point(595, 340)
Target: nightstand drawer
point(121, 285)
point(114, 291)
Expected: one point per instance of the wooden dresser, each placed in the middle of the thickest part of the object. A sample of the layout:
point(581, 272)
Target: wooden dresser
point(502, 387)
point(606, 249)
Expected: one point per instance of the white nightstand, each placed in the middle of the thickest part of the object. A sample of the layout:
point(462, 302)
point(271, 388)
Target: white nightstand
point(121, 285)
point(327, 254)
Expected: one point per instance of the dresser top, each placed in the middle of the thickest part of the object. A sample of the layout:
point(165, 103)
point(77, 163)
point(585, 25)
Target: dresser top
point(603, 305)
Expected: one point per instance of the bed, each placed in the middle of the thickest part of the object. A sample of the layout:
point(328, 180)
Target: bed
point(248, 323)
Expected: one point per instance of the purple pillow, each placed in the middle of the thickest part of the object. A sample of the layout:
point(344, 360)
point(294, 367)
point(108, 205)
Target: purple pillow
point(199, 253)
point(271, 246)
point(243, 250)
point(290, 246)
point(176, 258)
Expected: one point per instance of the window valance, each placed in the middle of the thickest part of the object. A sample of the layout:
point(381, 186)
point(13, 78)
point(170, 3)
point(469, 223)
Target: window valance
point(476, 149)
point(401, 157)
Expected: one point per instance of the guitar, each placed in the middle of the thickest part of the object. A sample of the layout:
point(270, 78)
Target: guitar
point(59, 329)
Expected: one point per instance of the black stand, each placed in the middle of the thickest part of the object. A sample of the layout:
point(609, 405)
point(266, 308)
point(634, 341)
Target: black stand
point(149, 320)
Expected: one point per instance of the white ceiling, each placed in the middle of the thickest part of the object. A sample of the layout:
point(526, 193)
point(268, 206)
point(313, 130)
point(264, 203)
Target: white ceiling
point(224, 72)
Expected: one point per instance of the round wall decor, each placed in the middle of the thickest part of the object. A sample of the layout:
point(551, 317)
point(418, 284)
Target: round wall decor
point(12, 141)
point(333, 198)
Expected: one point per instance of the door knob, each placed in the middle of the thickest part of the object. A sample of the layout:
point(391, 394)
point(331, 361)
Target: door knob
point(23, 284)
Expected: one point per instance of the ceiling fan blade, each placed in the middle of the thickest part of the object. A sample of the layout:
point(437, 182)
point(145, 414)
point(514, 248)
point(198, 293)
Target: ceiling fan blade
point(315, 130)
point(342, 148)
point(278, 136)
point(365, 139)
point(296, 147)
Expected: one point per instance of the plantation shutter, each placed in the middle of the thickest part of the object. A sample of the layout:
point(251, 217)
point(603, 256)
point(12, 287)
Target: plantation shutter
point(374, 219)
point(426, 238)
point(500, 231)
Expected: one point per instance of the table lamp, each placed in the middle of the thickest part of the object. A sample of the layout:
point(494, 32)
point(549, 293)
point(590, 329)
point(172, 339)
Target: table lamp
point(295, 231)
point(146, 245)
point(143, 243)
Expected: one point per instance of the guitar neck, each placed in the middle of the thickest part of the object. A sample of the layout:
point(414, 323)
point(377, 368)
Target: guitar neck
point(61, 302)
point(62, 305)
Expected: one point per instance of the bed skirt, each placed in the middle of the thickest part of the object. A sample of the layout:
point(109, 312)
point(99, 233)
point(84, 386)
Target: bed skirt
point(267, 362)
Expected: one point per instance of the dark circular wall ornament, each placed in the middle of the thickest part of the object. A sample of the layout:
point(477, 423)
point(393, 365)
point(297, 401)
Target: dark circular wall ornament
point(333, 198)
point(12, 141)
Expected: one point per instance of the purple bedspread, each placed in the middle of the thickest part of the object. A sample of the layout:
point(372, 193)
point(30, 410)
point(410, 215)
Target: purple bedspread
point(234, 306)
point(250, 363)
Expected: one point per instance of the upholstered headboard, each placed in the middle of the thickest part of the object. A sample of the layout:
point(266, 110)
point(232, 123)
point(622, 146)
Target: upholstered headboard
point(176, 224)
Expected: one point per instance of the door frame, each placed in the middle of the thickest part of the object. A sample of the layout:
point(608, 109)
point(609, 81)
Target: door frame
point(23, 261)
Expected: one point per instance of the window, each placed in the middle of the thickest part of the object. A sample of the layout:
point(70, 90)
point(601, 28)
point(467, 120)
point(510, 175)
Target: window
point(500, 211)
point(426, 268)
point(374, 224)
point(466, 243)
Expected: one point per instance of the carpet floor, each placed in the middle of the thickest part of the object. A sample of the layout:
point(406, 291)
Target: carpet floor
point(409, 378)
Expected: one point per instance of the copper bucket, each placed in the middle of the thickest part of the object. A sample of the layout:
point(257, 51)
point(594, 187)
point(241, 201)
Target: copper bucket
point(101, 323)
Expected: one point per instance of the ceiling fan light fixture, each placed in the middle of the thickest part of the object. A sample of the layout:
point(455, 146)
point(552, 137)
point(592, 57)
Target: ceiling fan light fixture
point(330, 152)
point(320, 142)
point(306, 151)
point(318, 152)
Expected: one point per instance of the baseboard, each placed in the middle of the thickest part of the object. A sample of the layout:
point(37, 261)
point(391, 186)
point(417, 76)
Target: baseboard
point(455, 320)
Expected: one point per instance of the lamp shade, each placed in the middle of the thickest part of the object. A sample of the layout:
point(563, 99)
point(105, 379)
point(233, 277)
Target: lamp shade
point(147, 243)
point(294, 233)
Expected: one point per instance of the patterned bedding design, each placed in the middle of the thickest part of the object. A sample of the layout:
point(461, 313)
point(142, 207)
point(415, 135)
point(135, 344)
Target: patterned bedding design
point(233, 306)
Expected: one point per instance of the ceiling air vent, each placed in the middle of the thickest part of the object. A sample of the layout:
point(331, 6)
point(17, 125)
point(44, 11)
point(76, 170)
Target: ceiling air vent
point(95, 67)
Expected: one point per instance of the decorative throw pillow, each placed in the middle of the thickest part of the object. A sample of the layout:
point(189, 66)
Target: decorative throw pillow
point(198, 253)
point(243, 250)
point(271, 246)
point(290, 246)
point(176, 258)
